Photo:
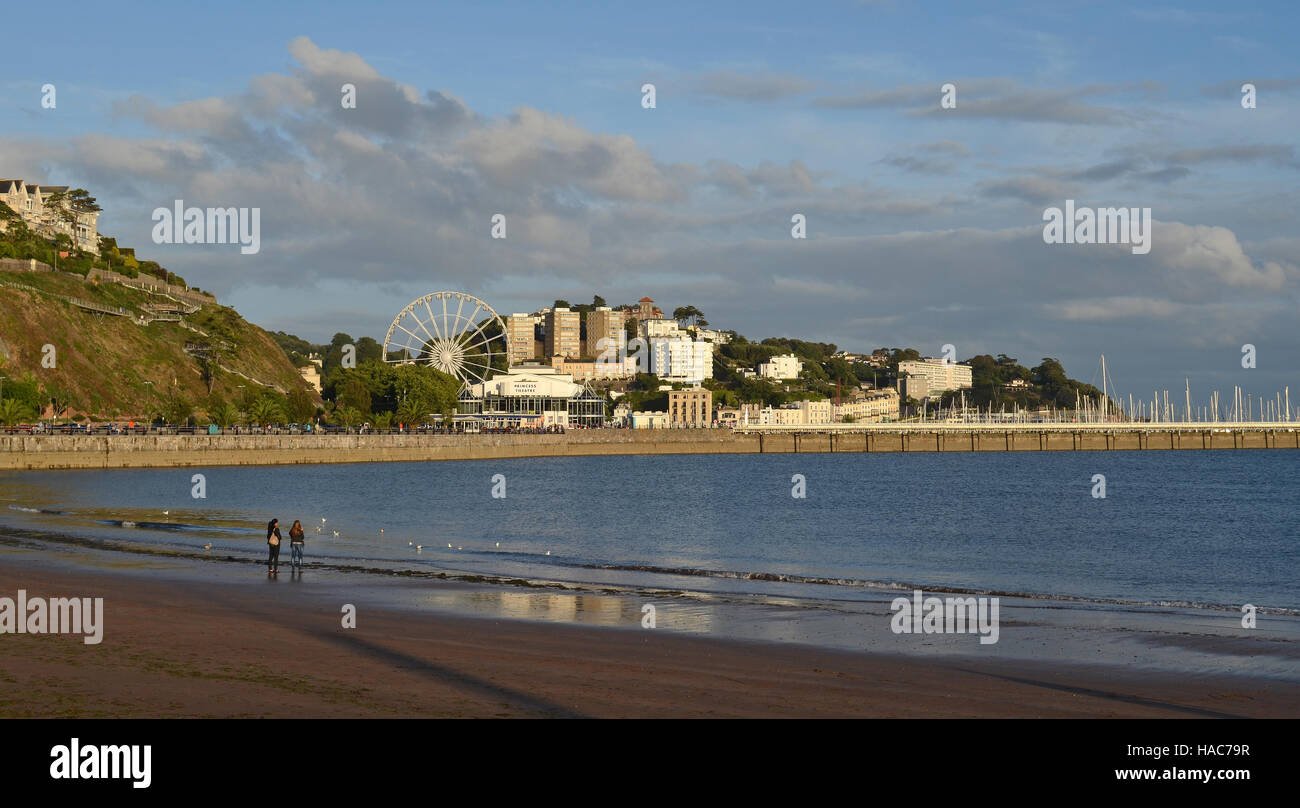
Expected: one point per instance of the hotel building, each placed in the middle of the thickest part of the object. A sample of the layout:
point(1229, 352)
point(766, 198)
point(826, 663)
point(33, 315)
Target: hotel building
point(940, 376)
point(690, 407)
point(28, 200)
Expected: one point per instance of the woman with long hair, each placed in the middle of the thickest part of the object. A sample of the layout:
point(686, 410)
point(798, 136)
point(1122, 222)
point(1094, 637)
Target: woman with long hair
point(296, 541)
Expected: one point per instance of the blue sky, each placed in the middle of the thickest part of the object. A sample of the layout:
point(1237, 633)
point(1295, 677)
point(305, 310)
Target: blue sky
point(921, 222)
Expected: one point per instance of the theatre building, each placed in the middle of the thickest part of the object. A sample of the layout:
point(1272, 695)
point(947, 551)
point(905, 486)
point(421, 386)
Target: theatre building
point(531, 395)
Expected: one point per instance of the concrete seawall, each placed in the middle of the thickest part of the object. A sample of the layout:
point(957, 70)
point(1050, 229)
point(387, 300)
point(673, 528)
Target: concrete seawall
point(152, 451)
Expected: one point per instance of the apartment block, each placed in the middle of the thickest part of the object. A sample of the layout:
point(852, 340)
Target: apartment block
point(563, 333)
point(520, 331)
point(680, 359)
point(606, 324)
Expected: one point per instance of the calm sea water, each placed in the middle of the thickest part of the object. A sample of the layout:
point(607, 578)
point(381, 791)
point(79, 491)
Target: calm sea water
point(1216, 528)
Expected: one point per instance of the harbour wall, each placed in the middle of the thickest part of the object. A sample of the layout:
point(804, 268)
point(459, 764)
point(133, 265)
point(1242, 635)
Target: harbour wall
point(155, 451)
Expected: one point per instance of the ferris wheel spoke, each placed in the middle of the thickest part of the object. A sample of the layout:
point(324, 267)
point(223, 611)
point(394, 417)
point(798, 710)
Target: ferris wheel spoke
point(433, 320)
point(485, 341)
point(460, 305)
point(412, 333)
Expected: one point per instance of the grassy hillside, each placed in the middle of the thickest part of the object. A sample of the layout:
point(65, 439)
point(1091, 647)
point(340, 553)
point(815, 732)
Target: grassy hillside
point(112, 367)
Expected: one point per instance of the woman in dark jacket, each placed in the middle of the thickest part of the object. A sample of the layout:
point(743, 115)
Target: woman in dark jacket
point(273, 542)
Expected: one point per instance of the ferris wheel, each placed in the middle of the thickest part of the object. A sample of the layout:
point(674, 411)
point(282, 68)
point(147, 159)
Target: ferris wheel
point(451, 331)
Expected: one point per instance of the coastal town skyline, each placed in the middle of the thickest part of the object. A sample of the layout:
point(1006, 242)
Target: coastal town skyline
point(924, 224)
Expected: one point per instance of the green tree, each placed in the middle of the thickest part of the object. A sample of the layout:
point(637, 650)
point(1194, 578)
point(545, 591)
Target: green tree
point(354, 393)
point(179, 410)
point(13, 411)
point(299, 406)
point(60, 399)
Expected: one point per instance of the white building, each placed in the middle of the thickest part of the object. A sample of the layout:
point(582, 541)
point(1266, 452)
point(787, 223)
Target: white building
point(28, 200)
point(815, 412)
point(659, 327)
point(532, 395)
point(781, 367)
point(648, 420)
point(681, 359)
point(940, 376)
point(710, 335)
point(877, 406)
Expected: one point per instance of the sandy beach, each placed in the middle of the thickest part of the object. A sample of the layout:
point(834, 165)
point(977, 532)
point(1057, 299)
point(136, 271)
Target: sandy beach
point(227, 650)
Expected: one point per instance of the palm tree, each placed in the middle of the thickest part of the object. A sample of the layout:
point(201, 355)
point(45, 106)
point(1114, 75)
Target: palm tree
point(347, 417)
point(411, 411)
point(13, 411)
point(224, 415)
point(264, 411)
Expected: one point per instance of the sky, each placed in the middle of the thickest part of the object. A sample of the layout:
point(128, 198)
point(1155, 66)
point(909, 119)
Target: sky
point(924, 224)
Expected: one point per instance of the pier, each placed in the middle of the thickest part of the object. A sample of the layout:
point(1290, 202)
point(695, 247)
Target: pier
point(1023, 437)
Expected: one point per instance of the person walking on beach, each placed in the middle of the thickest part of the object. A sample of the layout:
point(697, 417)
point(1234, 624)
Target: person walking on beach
point(273, 542)
point(296, 541)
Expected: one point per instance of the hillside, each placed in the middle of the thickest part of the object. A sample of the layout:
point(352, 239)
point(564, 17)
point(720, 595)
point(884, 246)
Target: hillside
point(160, 356)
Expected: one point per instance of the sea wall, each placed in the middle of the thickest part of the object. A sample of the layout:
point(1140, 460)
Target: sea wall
point(145, 451)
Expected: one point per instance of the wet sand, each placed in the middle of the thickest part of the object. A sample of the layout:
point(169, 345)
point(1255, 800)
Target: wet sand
point(268, 649)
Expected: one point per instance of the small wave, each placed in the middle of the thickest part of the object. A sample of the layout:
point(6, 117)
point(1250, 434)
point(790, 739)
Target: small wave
point(175, 527)
point(895, 586)
point(37, 510)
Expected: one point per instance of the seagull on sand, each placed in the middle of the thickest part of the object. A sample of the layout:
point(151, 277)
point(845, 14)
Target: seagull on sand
point(167, 513)
point(419, 546)
point(411, 544)
point(498, 544)
point(207, 546)
point(458, 547)
point(336, 533)
point(548, 552)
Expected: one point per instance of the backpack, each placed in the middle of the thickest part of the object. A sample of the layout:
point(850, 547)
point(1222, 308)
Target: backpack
point(274, 538)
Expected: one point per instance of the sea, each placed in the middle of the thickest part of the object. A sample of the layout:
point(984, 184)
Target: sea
point(1157, 552)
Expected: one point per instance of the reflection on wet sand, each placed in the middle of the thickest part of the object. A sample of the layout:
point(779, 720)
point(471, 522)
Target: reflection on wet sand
point(585, 609)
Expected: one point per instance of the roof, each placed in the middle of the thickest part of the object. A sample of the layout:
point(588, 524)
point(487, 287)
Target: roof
point(645, 300)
